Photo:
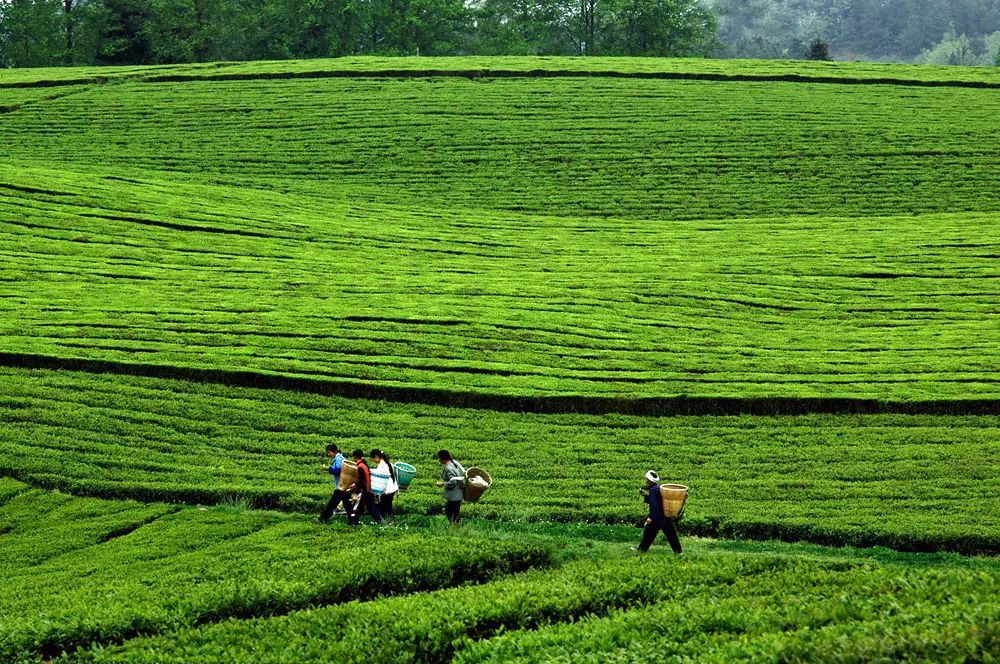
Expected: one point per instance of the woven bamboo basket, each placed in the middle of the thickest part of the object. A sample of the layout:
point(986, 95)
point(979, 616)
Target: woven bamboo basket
point(348, 475)
point(674, 496)
point(474, 492)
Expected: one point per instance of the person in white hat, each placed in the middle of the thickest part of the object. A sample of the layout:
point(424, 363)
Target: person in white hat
point(656, 521)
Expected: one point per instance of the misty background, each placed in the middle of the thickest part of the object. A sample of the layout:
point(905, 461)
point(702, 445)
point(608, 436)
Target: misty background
point(80, 32)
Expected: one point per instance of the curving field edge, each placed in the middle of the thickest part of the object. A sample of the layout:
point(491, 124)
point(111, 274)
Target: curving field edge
point(546, 404)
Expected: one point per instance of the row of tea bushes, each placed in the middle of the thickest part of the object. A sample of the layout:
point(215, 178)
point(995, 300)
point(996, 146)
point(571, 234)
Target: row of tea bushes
point(712, 606)
point(41, 526)
point(111, 570)
point(648, 149)
point(772, 316)
point(899, 481)
point(813, 614)
point(489, 66)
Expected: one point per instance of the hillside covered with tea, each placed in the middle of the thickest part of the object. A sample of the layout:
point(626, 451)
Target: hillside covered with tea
point(775, 282)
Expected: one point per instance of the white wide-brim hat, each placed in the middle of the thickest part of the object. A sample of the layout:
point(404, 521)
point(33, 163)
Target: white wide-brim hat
point(652, 476)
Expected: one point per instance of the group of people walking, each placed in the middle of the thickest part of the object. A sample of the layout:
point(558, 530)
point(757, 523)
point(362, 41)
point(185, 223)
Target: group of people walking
point(380, 506)
point(452, 481)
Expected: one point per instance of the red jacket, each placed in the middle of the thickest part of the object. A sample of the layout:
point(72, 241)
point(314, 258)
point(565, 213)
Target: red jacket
point(364, 483)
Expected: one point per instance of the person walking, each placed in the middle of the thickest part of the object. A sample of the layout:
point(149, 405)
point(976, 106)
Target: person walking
point(452, 479)
point(656, 521)
point(363, 487)
point(339, 497)
point(383, 466)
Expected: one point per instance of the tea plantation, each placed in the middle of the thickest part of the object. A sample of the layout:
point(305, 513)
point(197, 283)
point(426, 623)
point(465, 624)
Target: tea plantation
point(775, 282)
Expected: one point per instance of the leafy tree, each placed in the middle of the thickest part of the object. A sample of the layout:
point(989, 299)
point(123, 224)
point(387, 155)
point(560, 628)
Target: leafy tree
point(587, 29)
point(171, 31)
point(666, 28)
point(78, 19)
point(583, 26)
point(516, 27)
point(34, 32)
point(771, 28)
point(954, 49)
point(414, 27)
point(121, 33)
point(31, 33)
point(818, 50)
point(437, 27)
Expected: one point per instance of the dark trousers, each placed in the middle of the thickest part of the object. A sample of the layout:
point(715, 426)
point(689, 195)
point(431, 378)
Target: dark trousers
point(385, 504)
point(452, 510)
point(339, 497)
point(651, 530)
point(365, 502)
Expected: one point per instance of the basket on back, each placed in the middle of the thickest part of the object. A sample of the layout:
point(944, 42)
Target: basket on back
point(404, 475)
point(348, 475)
point(477, 482)
point(673, 496)
point(380, 482)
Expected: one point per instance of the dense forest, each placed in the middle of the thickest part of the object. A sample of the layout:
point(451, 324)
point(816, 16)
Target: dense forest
point(53, 32)
point(933, 31)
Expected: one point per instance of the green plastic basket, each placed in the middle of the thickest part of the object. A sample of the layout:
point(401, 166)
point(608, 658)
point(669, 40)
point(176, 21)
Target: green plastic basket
point(404, 474)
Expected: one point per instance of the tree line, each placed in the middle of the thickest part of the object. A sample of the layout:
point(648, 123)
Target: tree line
point(50, 32)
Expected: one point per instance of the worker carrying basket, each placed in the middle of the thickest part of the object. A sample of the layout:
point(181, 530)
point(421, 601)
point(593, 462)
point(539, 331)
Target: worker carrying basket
point(460, 485)
point(666, 507)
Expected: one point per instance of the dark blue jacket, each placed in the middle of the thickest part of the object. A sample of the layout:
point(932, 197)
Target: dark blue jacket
point(655, 504)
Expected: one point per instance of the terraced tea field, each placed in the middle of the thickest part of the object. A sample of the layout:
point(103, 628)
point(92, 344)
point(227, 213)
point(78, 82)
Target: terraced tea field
point(158, 567)
point(471, 306)
point(775, 282)
point(896, 480)
point(584, 146)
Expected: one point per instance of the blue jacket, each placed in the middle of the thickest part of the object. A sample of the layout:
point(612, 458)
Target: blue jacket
point(338, 463)
point(655, 502)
